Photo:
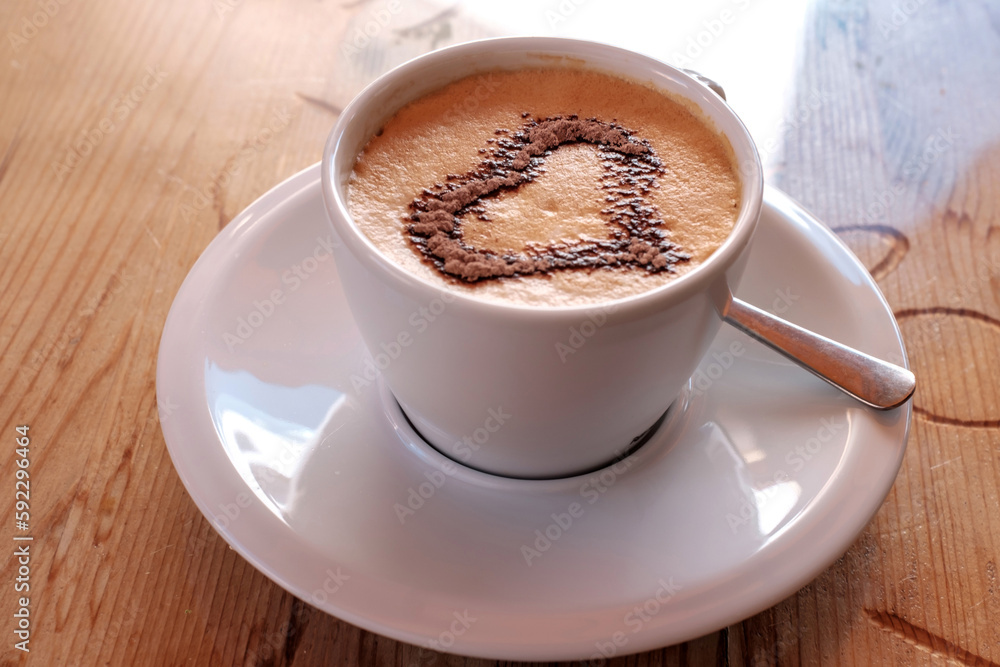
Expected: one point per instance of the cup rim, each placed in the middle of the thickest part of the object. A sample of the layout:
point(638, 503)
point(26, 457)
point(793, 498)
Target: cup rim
point(696, 280)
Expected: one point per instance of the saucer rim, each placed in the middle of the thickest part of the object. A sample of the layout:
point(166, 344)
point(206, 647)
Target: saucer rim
point(309, 179)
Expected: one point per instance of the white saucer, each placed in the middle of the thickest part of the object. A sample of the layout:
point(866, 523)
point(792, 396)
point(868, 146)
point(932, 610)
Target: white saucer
point(744, 495)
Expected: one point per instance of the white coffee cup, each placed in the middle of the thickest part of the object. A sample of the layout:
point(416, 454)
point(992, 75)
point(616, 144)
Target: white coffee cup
point(487, 383)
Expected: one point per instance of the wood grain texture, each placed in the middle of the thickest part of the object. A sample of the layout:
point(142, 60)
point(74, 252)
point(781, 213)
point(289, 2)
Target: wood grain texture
point(131, 132)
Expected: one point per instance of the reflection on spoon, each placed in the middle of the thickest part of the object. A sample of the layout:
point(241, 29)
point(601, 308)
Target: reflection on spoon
point(872, 381)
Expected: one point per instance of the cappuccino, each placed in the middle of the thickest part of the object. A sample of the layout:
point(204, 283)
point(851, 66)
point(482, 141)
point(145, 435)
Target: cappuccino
point(546, 187)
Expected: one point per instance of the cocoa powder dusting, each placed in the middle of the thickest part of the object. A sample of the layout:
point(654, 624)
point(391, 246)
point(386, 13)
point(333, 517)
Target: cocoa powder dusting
point(638, 235)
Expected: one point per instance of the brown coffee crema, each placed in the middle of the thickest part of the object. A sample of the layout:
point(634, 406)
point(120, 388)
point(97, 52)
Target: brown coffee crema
point(637, 233)
point(546, 187)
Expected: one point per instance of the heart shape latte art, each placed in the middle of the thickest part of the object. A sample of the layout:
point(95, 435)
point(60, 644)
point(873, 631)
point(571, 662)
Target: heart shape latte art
point(637, 234)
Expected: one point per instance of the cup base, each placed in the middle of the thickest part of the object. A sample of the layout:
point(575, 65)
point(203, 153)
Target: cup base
point(623, 453)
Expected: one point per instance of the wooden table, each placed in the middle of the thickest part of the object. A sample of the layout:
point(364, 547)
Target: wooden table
point(132, 132)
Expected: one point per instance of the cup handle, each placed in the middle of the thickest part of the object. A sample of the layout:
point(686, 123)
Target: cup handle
point(705, 81)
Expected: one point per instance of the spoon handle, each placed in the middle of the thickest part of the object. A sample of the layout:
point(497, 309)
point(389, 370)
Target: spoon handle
point(872, 381)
